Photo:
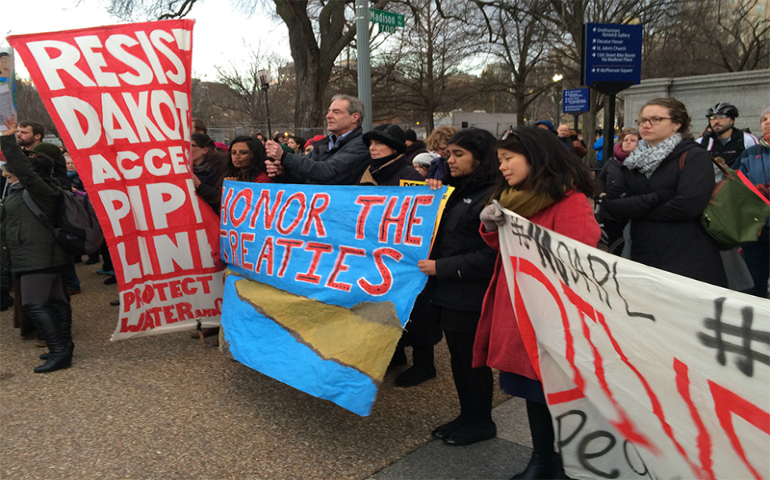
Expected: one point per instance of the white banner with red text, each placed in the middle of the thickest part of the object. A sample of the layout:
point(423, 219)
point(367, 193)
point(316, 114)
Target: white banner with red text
point(647, 374)
point(120, 98)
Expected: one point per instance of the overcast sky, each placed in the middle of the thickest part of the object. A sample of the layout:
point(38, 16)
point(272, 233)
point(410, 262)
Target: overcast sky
point(222, 34)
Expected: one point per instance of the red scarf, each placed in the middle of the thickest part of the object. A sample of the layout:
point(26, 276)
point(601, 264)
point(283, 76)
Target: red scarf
point(620, 155)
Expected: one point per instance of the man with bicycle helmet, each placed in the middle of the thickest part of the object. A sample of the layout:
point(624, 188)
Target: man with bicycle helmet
point(725, 140)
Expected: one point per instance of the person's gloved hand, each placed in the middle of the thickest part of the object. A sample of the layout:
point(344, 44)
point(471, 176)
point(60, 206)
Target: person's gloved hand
point(491, 217)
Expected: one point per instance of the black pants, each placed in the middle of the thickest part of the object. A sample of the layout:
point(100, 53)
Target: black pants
point(107, 260)
point(42, 287)
point(757, 256)
point(474, 385)
point(541, 428)
point(424, 327)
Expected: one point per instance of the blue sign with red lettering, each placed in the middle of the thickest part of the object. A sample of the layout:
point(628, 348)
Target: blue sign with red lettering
point(613, 53)
point(321, 281)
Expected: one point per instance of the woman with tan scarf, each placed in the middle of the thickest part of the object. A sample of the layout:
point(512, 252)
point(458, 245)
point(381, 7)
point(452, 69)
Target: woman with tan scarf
point(547, 184)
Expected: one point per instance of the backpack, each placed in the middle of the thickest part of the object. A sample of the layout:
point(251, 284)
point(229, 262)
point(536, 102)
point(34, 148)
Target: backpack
point(75, 226)
point(737, 212)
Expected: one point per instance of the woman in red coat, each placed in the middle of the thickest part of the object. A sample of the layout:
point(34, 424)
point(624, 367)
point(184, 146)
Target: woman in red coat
point(545, 183)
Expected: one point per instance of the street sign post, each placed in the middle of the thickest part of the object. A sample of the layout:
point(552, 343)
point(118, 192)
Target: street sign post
point(611, 62)
point(363, 67)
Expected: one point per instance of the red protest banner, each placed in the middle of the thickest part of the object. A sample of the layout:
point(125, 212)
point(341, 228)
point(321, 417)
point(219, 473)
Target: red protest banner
point(120, 98)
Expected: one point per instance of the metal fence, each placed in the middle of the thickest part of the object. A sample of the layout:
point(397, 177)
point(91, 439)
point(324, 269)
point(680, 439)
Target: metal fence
point(225, 133)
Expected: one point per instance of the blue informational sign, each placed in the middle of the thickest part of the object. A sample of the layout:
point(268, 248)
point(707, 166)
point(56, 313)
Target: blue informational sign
point(613, 53)
point(575, 100)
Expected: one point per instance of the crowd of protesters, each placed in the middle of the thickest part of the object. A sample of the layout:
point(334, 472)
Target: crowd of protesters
point(648, 201)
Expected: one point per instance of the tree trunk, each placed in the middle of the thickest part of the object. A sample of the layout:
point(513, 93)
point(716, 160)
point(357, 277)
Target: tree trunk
point(314, 56)
point(313, 63)
point(431, 123)
point(521, 109)
point(306, 55)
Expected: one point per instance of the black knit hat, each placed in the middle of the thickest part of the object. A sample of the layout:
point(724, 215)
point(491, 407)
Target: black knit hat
point(389, 134)
point(410, 135)
point(51, 151)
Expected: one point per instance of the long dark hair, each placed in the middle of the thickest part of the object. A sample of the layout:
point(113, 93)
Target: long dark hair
point(257, 164)
point(481, 144)
point(213, 157)
point(553, 167)
point(299, 141)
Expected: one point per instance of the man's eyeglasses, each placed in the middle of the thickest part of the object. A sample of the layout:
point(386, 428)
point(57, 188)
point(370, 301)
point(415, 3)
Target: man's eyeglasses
point(717, 117)
point(652, 120)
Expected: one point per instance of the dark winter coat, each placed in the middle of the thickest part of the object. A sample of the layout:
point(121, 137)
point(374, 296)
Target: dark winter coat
point(26, 243)
point(390, 174)
point(665, 212)
point(730, 151)
point(438, 168)
point(464, 262)
point(342, 165)
point(210, 188)
point(416, 148)
point(76, 181)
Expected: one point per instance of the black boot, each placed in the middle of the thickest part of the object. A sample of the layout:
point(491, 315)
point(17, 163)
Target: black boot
point(443, 431)
point(45, 316)
point(471, 432)
point(64, 313)
point(539, 467)
point(399, 358)
point(6, 301)
point(6, 287)
point(422, 370)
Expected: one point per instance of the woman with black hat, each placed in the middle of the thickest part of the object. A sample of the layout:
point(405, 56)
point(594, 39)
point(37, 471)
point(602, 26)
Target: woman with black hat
point(387, 144)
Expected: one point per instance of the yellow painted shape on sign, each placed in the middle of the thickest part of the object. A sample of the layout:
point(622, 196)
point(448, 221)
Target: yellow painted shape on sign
point(362, 337)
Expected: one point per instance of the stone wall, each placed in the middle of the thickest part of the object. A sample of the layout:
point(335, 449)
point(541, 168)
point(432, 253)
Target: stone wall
point(748, 91)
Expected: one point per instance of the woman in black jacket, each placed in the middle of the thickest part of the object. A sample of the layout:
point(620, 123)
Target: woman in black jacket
point(663, 187)
point(31, 251)
point(460, 268)
point(208, 169)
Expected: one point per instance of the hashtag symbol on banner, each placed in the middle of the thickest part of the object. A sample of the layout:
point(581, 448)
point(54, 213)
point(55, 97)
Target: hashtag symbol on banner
point(744, 332)
point(520, 232)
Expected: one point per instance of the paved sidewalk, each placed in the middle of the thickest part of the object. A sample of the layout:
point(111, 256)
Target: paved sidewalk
point(164, 407)
point(499, 458)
